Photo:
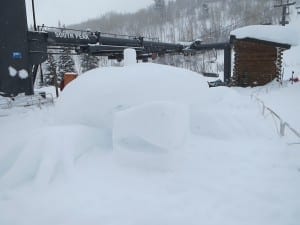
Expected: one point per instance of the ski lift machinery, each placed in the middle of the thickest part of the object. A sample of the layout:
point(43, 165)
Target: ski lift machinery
point(213, 66)
point(22, 51)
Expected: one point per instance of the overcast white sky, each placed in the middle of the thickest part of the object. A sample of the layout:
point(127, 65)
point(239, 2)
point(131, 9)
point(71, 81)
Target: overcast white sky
point(49, 12)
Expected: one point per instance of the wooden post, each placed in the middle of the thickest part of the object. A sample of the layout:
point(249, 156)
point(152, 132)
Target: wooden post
point(42, 75)
point(56, 84)
point(282, 128)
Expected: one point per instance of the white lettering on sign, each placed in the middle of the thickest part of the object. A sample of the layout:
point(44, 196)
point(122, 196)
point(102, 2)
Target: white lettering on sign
point(23, 74)
point(12, 71)
point(71, 36)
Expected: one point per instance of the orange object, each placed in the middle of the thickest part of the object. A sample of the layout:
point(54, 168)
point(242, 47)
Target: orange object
point(154, 56)
point(68, 77)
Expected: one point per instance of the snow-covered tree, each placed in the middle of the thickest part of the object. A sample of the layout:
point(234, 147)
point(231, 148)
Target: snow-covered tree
point(49, 70)
point(65, 64)
point(89, 62)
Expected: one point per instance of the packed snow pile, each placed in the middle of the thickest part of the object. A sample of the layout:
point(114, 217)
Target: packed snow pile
point(273, 33)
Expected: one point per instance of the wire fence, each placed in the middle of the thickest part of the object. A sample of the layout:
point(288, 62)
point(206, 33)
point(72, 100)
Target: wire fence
point(283, 125)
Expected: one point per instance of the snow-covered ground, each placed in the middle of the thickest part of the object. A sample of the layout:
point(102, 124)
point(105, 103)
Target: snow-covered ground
point(148, 144)
point(151, 144)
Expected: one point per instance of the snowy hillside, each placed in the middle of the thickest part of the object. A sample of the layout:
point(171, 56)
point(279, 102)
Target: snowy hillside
point(187, 20)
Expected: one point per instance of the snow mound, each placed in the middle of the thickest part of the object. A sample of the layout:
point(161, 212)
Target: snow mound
point(94, 97)
point(161, 124)
point(279, 34)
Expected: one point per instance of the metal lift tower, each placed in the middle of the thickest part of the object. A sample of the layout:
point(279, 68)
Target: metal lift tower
point(14, 49)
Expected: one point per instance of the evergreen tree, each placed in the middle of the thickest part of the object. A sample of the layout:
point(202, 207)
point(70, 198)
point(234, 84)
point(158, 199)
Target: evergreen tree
point(65, 64)
point(89, 62)
point(50, 70)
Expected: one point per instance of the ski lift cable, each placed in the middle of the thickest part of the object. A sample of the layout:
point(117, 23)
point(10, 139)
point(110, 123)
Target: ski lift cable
point(230, 26)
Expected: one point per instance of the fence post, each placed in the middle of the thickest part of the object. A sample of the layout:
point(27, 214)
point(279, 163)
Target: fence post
point(39, 102)
point(282, 128)
point(283, 124)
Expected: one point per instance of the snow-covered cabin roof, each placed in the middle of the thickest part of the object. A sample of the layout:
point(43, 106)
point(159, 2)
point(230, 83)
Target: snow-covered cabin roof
point(268, 33)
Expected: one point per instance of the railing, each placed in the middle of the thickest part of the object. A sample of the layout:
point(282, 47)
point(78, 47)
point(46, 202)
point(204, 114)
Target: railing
point(283, 124)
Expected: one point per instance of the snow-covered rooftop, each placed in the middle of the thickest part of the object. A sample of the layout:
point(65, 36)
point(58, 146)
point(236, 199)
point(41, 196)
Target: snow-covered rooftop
point(272, 33)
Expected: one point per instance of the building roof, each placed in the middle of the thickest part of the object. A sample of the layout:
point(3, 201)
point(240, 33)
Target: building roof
point(269, 34)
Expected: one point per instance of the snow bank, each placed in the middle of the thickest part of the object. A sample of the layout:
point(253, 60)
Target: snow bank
point(279, 34)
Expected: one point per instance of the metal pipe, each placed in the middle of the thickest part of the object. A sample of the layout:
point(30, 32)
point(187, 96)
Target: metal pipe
point(33, 14)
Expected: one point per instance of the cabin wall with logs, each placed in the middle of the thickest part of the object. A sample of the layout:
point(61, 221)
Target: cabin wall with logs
point(256, 63)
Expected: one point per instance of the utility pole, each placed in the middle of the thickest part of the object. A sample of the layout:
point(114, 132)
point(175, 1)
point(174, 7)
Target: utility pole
point(285, 4)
